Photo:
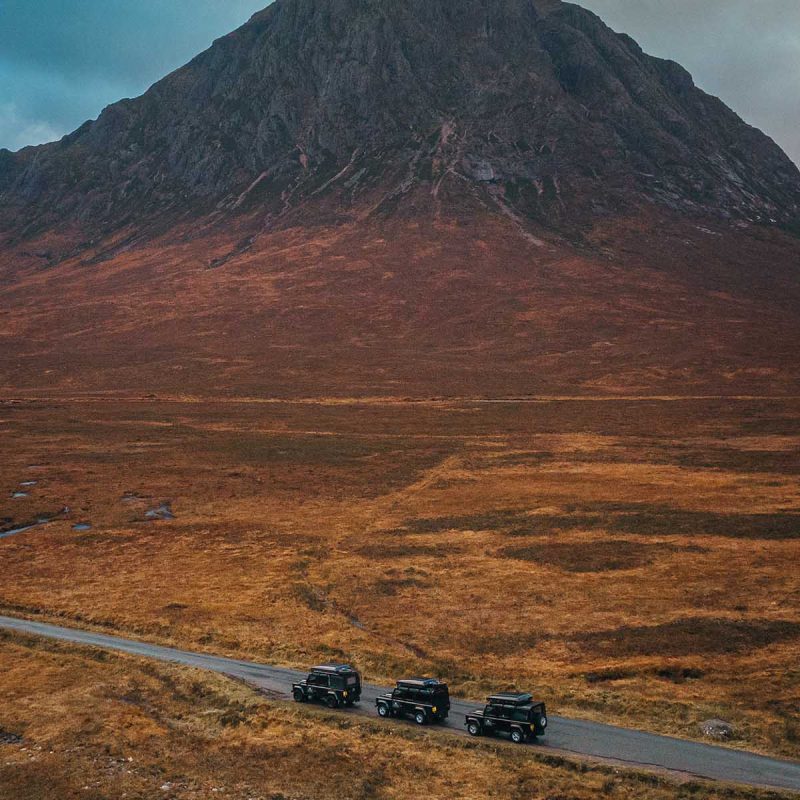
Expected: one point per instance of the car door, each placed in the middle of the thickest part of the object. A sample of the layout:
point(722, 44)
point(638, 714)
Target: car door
point(490, 714)
point(504, 719)
point(319, 686)
point(400, 700)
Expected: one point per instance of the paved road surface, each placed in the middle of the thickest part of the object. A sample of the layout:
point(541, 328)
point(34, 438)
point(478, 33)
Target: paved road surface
point(584, 738)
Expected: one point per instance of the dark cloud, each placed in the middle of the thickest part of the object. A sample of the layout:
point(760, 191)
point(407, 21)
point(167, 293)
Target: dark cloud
point(746, 52)
point(62, 61)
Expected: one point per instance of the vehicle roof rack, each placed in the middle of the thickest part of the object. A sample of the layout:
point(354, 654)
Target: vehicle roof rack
point(425, 683)
point(333, 668)
point(511, 699)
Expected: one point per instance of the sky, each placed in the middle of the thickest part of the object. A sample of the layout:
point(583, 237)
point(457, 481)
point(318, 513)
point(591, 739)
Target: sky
point(63, 61)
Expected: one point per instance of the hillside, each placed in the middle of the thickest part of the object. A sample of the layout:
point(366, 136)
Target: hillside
point(372, 197)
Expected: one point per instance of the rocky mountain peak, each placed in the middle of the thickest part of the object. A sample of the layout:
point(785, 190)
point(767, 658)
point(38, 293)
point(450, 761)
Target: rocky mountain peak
point(533, 106)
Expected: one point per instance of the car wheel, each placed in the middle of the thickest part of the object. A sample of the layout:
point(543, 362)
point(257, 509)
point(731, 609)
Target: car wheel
point(419, 718)
point(473, 729)
point(517, 737)
point(383, 710)
point(299, 696)
point(332, 701)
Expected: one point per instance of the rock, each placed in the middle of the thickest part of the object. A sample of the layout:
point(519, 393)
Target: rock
point(9, 738)
point(717, 729)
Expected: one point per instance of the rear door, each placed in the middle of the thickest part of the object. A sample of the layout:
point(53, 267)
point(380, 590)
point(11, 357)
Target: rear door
point(354, 683)
point(441, 698)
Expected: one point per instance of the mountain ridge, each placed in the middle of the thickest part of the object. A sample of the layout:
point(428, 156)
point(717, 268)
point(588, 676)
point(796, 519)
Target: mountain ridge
point(536, 105)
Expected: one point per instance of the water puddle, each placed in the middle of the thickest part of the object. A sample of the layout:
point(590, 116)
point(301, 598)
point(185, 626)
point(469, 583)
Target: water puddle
point(18, 495)
point(132, 497)
point(22, 528)
point(163, 512)
point(82, 527)
point(29, 483)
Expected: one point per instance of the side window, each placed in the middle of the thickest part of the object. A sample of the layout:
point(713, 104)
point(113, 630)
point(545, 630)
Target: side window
point(520, 715)
point(492, 711)
point(401, 693)
point(319, 680)
point(337, 682)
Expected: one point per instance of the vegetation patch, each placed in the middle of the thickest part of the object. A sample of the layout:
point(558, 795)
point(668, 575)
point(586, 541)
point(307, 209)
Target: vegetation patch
point(488, 521)
point(609, 675)
point(684, 637)
point(389, 587)
point(680, 674)
point(505, 643)
point(655, 520)
point(596, 556)
point(407, 550)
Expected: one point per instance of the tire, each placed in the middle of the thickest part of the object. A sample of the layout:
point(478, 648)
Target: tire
point(517, 736)
point(332, 701)
point(383, 711)
point(420, 718)
point(473, 729)
point(299, 696)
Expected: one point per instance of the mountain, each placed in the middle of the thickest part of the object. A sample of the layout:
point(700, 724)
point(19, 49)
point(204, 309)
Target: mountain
point(534, 104)
point(390, 196)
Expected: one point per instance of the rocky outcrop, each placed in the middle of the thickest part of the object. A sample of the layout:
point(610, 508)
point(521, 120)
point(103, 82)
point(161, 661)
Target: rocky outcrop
point(717, 729)
point(534, 107)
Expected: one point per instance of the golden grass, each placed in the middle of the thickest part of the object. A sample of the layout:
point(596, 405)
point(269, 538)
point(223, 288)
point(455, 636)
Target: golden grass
point(77, 723)
point(629, 560)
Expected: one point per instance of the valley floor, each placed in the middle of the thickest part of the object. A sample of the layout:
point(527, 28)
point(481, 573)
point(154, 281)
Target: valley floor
point(628, 560)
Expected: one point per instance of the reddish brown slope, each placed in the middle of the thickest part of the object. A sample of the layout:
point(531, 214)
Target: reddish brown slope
point(411, 306)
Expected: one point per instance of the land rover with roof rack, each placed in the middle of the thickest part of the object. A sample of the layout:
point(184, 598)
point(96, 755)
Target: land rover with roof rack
point(516, 715)
point(425, 700)
point(333, 684)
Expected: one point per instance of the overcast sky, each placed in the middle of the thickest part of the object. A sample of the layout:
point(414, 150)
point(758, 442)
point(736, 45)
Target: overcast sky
point(62, 61)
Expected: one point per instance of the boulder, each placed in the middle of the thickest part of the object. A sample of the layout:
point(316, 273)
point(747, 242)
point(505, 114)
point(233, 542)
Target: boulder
point(717, 729)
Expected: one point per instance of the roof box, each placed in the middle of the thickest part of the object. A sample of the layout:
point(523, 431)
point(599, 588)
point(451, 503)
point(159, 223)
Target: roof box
point(511, 699)
point(420, 683)
point(333, 668)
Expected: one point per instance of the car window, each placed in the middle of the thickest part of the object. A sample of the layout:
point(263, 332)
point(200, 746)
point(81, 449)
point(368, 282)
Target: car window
point(520, 714)
point(318, 680)
point(337, 682)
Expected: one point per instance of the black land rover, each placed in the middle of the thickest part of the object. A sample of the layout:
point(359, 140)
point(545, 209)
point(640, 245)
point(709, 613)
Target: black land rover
point(424, 699)
point(515, 714)
point(333, 684)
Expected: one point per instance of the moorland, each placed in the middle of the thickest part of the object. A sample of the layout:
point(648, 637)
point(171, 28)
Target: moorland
point(624, 558)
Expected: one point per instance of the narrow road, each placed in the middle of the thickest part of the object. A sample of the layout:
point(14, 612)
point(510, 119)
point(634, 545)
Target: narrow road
point(583, 738)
